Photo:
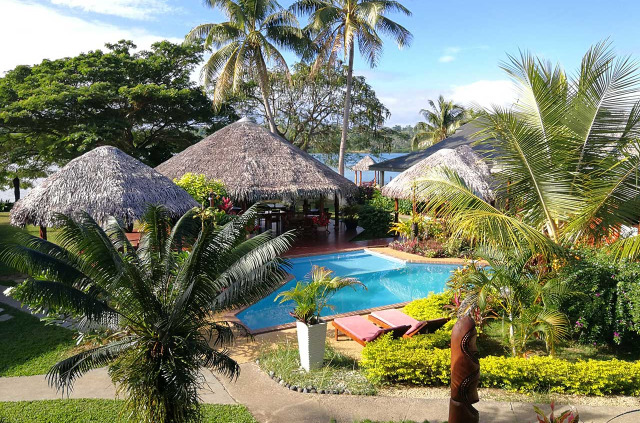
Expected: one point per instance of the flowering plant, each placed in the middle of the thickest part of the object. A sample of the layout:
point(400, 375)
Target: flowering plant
point(322, 220)
point(566, 417)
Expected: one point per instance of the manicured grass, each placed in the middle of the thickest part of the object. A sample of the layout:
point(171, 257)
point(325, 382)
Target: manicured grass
point(33, 230)
point(102, 411)
point(28, 346)
point(339, 372)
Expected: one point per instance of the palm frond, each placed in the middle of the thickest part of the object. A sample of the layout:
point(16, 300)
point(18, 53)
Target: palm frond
point(63, 374)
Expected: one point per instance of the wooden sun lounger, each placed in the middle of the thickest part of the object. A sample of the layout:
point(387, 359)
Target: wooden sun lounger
point(394, 318)
point(362, 331)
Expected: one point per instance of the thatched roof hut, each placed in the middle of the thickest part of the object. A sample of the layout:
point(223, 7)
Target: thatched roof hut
point(465, 135)
point(363, 164)
point(103, 182)
point(462, 159)
point(255, 165)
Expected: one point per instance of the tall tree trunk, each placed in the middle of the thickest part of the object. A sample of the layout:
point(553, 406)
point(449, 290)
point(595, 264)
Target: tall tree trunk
point(16, 188)
point(347, 110)
point(264, 88)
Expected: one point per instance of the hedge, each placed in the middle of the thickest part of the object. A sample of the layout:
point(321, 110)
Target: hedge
point(423, 360)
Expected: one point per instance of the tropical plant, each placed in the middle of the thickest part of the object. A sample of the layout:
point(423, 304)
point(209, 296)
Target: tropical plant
point(442, 120)
point(158, 302)
point(312, 296)
point(200, 188)
point(516, 293)
point(375, 221)
point(566, 159)
point(336, 25)
point(245, 44)
point(566, 416)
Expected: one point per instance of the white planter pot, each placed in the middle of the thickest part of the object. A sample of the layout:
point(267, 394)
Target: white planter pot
point(311, 339)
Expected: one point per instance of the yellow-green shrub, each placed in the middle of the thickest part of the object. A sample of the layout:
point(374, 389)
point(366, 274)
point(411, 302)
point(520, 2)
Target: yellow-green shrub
point(591, 377)
point(426, 360)
point(432, 307)
point(420, 360)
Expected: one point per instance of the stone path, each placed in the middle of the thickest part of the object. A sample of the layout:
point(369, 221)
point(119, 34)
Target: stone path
point(5, 299)
point(4, 316)
point(95, 384)
point(269, 402)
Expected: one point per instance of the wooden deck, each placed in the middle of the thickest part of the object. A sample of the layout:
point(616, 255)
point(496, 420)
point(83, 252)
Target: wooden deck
point(336, 240)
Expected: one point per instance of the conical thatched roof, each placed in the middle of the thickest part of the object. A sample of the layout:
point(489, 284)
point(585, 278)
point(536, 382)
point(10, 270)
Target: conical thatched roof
point(462, 159)
point(363, 164)
point(103, 182)
point(255, 165)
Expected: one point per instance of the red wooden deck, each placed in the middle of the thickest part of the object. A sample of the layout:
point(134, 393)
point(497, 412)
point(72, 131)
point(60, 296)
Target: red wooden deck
point(336, 240)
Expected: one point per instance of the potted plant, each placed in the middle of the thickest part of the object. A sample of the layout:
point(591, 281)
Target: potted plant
point(311, 297)
point(350, 217)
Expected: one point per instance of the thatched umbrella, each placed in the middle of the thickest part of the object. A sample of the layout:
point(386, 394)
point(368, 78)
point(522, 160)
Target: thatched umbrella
point(256, 165)
point(103, 182)
point(363, 166)
point(462, 159)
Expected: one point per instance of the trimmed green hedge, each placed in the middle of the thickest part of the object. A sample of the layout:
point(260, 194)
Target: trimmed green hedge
point(424, 360)
point(101, 411)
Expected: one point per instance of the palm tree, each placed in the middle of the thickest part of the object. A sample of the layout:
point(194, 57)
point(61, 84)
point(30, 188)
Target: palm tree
point(245, 44)
point(155, 304)
point(527, 305)
point(442, 120)
point(567, 158)
point(337, 24)
point(311, 297)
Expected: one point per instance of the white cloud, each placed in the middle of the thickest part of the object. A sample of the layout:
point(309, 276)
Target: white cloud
point(446, 59)
point(132, 9)
point(52, 35)
point(405, 105)
point(485, 93)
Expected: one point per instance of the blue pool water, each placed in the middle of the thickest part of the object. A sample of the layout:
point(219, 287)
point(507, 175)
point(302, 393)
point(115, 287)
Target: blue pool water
point(388, 281)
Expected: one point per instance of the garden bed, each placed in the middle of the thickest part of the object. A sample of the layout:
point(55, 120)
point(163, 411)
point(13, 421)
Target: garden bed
point(339, 374)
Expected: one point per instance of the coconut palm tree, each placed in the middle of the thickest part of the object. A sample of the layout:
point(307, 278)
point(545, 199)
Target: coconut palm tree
point(336, 25)
point(442, 120)
point(245, 44)
point(156, 304)
point(567, 159)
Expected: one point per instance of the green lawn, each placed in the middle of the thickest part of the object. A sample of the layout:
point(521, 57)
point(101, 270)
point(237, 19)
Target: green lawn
point(28, 346)
point(101, 411)
point(33, 230)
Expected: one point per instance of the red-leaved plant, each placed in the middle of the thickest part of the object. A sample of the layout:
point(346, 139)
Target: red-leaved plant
point(566, 417)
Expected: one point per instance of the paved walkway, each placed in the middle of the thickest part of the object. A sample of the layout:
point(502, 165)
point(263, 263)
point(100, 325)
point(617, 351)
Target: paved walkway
point(95, 384)
point(271, 403)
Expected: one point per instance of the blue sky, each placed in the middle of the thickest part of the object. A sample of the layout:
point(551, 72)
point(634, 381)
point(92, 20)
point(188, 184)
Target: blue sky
point(456, 51)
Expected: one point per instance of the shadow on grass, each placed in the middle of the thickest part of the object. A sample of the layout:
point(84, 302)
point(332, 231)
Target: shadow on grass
point(28, 346)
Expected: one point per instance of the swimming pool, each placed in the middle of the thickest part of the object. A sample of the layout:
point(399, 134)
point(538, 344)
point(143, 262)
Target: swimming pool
point(388, 281)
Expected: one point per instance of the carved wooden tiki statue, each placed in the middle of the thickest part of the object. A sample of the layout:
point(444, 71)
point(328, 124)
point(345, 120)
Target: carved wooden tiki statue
point(465, 372)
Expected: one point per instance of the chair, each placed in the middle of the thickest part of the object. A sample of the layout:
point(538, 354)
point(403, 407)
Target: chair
point(362, 331)
point(394, 318)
